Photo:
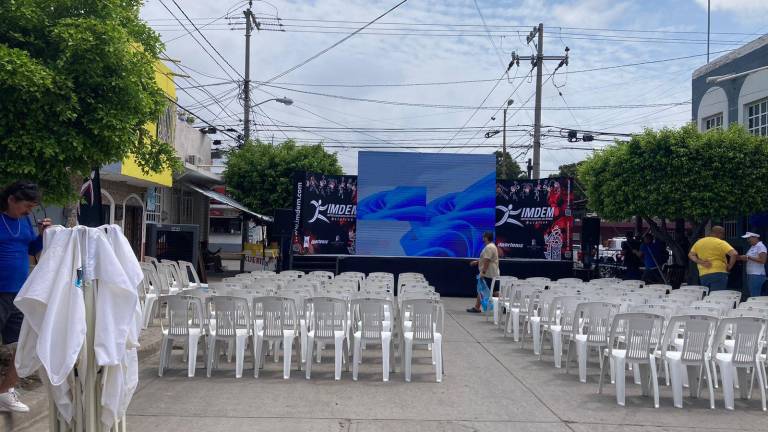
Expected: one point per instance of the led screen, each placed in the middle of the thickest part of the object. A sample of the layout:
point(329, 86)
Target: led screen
point(424, 204)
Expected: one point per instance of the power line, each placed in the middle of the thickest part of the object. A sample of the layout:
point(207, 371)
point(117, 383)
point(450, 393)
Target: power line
point(334, 45)
point(462, 107)
point(438, 83)
point(205, 38)
point(196, 40)
point(508, 26)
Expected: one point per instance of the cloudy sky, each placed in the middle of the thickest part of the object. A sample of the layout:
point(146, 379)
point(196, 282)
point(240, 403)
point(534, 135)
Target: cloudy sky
point(430, 75)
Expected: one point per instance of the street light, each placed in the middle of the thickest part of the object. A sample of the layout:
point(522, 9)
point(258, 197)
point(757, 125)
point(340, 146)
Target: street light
point(283, 100)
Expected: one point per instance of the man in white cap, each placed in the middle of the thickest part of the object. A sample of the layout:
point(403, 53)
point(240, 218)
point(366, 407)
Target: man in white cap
point(755, 258)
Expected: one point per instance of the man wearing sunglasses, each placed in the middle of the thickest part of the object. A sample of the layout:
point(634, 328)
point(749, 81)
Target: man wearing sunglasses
point(18, 240)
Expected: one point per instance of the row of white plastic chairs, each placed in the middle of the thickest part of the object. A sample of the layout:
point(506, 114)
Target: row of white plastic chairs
point(640, 328)
point(316, 321)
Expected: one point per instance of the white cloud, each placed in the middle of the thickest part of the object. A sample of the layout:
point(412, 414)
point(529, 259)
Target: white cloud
point(589, 13)
point(741, 7)
point(400, 59)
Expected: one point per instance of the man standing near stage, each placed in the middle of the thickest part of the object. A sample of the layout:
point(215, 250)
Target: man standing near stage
point(489, 266)
point(709, 253)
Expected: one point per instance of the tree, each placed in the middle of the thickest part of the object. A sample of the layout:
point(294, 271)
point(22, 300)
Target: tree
point(679, 174)
point(77, 89)
point(507, 168)
point(259, 175)
point(572, 170)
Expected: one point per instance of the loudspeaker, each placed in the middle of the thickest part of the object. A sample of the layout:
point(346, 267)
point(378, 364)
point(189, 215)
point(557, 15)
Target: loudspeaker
point(590, 231)
point(283, 225)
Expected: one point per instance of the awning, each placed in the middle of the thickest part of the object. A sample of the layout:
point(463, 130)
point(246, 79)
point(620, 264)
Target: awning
point(228, 201)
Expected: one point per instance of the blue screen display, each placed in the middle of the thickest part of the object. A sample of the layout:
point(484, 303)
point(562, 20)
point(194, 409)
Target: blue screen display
point(424, 204)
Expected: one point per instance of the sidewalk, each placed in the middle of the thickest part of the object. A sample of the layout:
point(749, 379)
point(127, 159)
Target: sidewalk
point(491, 384)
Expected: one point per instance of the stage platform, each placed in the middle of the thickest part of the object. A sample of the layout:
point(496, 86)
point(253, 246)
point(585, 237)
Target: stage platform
point(451, 277)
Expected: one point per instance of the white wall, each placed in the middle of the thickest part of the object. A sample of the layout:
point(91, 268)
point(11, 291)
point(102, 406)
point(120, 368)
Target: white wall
point(755, 88)
point(189, 141)
point(714, 101)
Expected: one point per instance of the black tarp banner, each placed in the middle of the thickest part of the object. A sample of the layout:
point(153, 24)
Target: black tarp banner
point(325, 214)
point(533, 218)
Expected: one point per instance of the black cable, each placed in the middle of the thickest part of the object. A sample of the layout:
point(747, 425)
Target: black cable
point(491, 79)
point(205, 38)
point(334, 45)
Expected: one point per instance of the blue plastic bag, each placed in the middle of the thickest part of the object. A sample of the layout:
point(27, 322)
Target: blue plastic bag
point(485, 294)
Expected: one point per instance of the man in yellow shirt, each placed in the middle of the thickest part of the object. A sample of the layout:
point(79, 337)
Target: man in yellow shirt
point(710, 254)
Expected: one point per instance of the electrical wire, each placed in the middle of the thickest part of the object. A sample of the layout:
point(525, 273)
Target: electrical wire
point(334, 45)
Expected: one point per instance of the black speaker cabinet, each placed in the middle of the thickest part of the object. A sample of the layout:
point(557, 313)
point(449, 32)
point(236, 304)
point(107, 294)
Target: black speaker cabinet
point(590, 231)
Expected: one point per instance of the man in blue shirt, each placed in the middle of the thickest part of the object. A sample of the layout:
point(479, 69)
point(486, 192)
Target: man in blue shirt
point(649, 251)
point(18, 240)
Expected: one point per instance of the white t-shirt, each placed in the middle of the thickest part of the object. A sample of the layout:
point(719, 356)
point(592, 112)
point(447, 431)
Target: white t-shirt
point(755, 268)
point(491, 254)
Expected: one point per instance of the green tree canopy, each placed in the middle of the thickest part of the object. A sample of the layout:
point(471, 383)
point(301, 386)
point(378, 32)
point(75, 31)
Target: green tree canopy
point(679, 174)
point(507, 168)
point(77, 89)
point(572, 170)
point(259, 174)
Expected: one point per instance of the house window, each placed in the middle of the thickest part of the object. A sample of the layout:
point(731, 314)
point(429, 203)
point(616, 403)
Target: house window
point(154, 204)
point(756, 115)
point(712, 122)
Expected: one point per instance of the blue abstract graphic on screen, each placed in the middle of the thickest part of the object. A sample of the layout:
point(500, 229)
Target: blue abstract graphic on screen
point(424, 204)
point(402, 203)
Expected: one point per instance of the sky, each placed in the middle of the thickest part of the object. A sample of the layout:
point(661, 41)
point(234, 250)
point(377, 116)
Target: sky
point(431, 75)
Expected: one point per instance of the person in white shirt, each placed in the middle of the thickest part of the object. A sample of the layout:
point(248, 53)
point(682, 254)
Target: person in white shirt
point(755, 258)
point(489, 266)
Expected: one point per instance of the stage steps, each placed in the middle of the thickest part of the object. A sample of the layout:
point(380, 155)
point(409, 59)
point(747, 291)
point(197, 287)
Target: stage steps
point(308, 263)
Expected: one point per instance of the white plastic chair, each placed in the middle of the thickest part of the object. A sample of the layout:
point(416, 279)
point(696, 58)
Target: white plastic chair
point(747, 334)
point(570, 280)
point(705, 309)
point(630, 342)
point(327, 324)
point(538, 279)
point(229, 322)
point(370, 326)
point(323, 275)
point(701, 290)
point(151, 260)
point(184, 323)
point(521, 294)
point(151, 286)
point(276, 321)
point(179, 282)
point(425, 327)
point(502, 302)
point(188, 269)
point(169, 278)
point(564, 309)
point(592, 321)
point(685, 345)
point(356, 276)
point(632, 283)
point(291, 274)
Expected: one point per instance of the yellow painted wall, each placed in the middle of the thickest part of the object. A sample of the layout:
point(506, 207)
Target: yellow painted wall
point(129, 168)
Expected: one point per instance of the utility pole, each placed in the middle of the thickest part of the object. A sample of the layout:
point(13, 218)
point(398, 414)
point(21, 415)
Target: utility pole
point(537, 113)
point(538, 62)
point(246, 115)
point(708, 4)
point(247, 81)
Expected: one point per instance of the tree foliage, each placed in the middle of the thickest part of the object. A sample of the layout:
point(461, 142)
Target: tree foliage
point(77, 89)
point(259, 175)
point(572, 170)
point(507, 168)
point(679, 174)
